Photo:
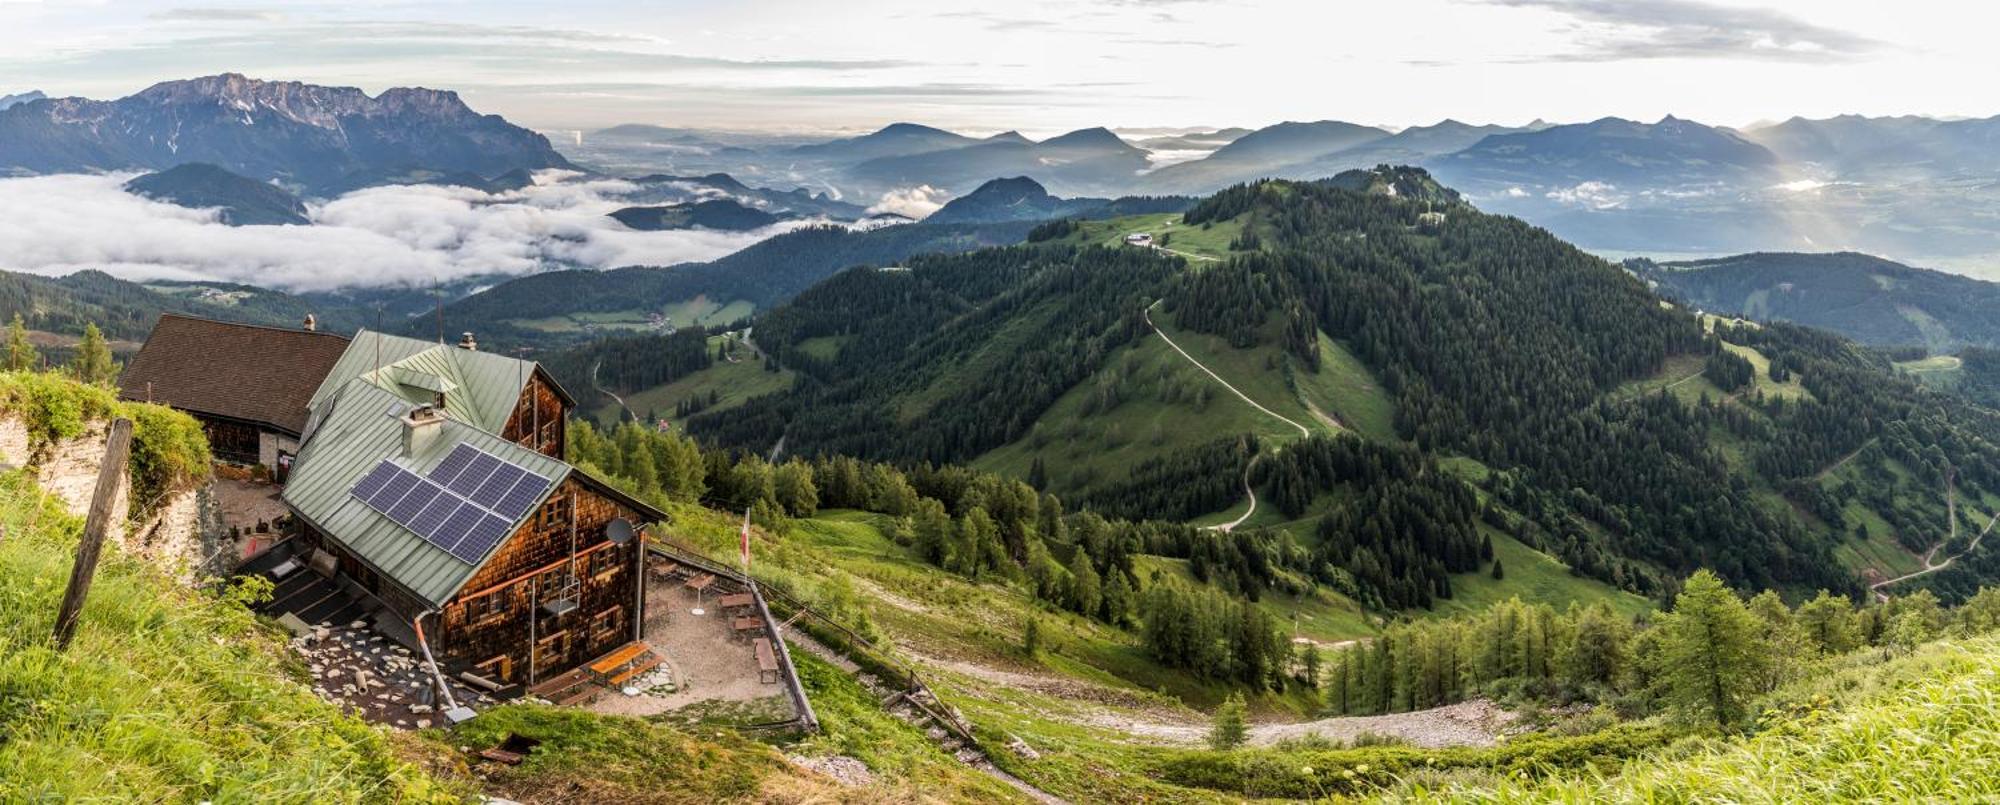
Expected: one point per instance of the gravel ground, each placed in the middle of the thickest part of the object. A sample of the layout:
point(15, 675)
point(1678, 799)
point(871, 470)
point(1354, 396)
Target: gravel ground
point(843, 769)
point(704, 663)
point(1475, 723)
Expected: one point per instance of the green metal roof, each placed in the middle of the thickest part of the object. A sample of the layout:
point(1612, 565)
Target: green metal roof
point(480, 388)
point(356, 427)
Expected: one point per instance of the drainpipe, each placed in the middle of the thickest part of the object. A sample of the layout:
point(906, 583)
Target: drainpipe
point(639, 597)
point(443, 687)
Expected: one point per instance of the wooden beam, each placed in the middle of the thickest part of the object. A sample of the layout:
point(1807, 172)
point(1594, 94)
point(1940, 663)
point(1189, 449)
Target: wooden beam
point(109, 474)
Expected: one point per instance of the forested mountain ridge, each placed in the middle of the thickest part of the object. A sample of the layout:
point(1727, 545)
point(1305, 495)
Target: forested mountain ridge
point(1869, 299)
point(1517, 360)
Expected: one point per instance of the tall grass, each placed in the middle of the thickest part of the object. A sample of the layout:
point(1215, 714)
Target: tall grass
point(1924, 728)
point(167, 694)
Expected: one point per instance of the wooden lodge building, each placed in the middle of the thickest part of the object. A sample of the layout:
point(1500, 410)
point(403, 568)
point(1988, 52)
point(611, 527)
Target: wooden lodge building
point(428, 486)
point(249, 386)
point(432, 483)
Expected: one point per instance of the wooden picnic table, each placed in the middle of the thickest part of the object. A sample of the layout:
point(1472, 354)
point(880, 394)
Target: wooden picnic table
point(745, 625)
point(701, 582)
point(767, 662)
point(735, 600)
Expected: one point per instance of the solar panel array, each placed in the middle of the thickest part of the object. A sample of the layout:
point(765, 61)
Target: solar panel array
point(463, 506)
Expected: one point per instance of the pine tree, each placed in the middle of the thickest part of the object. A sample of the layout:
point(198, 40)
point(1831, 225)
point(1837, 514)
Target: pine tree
point(1038, 474)
point(1710, 656)
point(93, 359)
point(21, 355)
point(1498, 573)
point(1230, 729)
point(1031, 637)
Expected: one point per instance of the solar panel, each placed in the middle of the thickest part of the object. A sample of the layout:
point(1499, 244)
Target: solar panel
point(458, 525)
point(399, 484)
point(497, 484)
point(373, 481)
point(428, 521)
point(461, 456)
point(522, 497)
point(464, 506)
point(405, 511)
point(481, 539)
point(481, 466)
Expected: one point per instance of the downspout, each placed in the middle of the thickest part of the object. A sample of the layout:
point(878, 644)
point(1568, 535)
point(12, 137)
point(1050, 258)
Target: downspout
point(639, 588)
point(443, 687)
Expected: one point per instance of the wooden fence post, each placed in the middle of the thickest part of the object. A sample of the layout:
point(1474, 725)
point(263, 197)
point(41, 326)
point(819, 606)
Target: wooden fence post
point(109, 475)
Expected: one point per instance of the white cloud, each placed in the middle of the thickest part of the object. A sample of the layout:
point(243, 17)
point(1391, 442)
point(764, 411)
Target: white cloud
point(380, 236)
point(1595, 195)
point(915, 202)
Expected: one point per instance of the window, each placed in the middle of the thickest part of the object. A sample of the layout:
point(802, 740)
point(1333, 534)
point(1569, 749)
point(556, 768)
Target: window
point(605, 625)
point(552, 651)
point(555, 513)
point(490, 607)
point(606, 561)
point(499, 669)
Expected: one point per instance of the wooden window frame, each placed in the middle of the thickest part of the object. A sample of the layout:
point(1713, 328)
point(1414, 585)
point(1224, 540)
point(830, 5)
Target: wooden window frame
point(503, 663)
point(604, 625)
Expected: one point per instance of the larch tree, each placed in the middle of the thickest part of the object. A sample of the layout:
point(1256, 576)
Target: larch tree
point(1710, 656)
point(93, 358)
point(21, 355)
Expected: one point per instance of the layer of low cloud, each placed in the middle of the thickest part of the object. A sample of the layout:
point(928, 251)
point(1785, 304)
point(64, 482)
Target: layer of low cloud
point(912, 202)
point(383, 236)
point(1621, 30)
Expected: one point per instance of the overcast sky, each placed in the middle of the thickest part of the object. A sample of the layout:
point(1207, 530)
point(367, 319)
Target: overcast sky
point(1045, 67)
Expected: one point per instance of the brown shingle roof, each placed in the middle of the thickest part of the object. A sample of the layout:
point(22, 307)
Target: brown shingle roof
point(265, 375)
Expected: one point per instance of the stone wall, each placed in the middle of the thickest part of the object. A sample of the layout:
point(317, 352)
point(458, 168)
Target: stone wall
point(176, 535)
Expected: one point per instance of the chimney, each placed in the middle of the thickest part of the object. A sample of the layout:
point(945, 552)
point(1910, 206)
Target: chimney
point(312, 324)
point(421, 426)
point(467, 342)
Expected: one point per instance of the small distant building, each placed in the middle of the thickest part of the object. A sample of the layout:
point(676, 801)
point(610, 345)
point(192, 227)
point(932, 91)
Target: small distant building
point(1139, 239)
point(1430, 221)
point(250, 386)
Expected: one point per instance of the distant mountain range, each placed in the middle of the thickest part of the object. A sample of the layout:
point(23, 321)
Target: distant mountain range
point(1868, 299)
point(21, 98)
point(719, 214)
point(242, 202)
point(1086, 161)
point(308, 136)
point(1024, 199)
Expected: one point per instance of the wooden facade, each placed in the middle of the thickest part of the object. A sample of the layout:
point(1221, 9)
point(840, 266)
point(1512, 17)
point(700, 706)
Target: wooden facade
point(537, 421)
point(500, 624)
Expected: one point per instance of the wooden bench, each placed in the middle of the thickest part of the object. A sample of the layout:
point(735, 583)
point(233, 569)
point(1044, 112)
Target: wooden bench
point(646, 662)
point(666, 571)
point(610, 662)
point(736, 601)
point(744, 626)
point(767, 662)
point(701, 582)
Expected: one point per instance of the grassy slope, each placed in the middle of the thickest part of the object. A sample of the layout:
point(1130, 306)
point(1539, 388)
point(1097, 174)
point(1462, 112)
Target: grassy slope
point(732, 382)
point(167, 694)
point(1917, 729)
point(1938, 371)
point(1533, 576)
point(1212, 241)
point(699, 310)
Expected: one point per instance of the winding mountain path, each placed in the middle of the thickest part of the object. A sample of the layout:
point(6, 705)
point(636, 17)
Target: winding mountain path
point(1930, 563)
point(1303, 432)
point(608, 392)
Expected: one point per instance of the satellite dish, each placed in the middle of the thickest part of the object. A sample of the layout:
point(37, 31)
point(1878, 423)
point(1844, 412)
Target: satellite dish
point(619, 531)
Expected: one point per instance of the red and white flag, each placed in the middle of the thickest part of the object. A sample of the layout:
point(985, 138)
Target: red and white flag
point(746, 539)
